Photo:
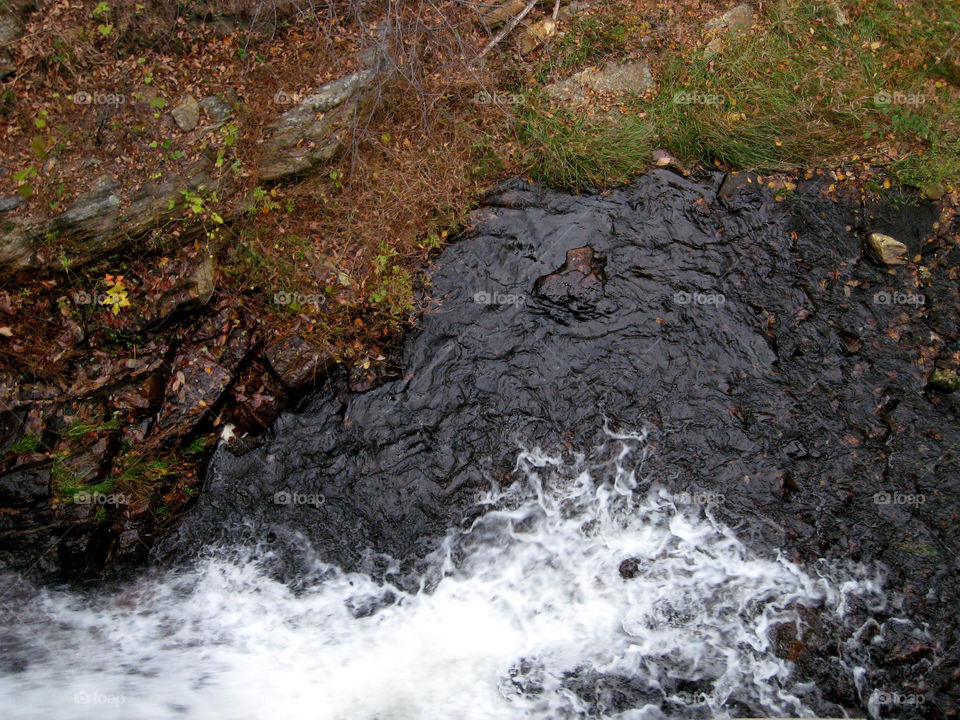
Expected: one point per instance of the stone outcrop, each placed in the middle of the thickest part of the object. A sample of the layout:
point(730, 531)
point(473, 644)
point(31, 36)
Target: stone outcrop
point(313, 131)
point(297, 363)
point(99, 222)
point(733, 22)
point(578, 284)
point(614, 77)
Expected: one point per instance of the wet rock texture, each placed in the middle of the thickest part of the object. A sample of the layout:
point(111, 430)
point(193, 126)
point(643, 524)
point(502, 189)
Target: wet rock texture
point(57, 443)
point(757, 340)
point(128, 419)
point(577, 285)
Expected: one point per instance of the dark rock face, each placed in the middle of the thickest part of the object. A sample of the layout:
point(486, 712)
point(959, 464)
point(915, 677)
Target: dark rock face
point(202, 371)
point(256, 399)
point(629, 568)
point(798, 400)
point(297, 363)
point(24, 487)
point(578, 284)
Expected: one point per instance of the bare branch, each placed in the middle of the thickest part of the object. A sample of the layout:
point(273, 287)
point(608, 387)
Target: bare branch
point(506, 30)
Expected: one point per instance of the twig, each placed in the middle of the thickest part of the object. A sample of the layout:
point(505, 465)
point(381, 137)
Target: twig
point(556, 10)
point(506, 31)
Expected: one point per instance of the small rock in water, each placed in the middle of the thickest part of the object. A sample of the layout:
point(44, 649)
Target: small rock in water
point(578, 284)
point(886, 249)
point(186, 114)
point(629, 568)
point(944, 380)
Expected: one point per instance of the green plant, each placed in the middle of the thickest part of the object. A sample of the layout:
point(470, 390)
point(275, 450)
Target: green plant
point(23, 178)
point(79, 428)
point(26, 445)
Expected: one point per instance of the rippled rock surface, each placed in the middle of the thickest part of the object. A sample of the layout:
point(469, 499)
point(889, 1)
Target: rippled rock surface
point(768, 355)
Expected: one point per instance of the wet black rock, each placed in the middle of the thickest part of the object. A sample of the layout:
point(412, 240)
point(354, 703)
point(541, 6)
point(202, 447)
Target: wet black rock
point(629, 568)
point(798, 399)
point(578, 284)
point(298, 363)
point(25, 486)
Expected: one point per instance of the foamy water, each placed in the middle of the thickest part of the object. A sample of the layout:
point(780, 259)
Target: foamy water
point(524, 615)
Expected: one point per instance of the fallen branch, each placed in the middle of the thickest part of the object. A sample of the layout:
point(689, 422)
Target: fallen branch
point(556, 10)
point(506, 31)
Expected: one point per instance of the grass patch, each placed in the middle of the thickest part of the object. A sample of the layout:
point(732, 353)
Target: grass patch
point(26, 445)
point(79, 428)
point(800, 91)
point(599, 35)
point(573, 151)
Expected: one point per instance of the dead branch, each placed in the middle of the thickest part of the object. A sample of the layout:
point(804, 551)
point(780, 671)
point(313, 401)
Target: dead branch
point(506, 31)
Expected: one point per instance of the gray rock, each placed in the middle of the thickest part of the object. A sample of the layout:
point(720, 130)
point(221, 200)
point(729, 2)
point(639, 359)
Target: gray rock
point(634, 76)
point(735, 20)
point(95, 222)
point(7, 66)
point(10, 29)
point(297, 363)
point(574, 8)
point(16, 249)
point(25, 487)
point(312, 132)
point(10, 202)
point(92, 216)
point(216, 108)
point(186, 114)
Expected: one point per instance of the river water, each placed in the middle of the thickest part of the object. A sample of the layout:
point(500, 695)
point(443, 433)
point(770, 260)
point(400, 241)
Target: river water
point(710, 485)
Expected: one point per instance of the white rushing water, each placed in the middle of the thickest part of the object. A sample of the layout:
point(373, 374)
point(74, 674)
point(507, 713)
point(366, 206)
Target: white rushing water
point(526, 615)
